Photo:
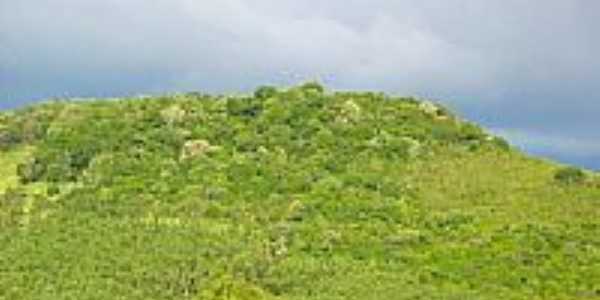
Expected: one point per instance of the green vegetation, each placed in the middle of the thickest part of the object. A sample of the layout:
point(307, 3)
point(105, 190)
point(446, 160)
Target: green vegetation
point(286, 194)
point(570, 175)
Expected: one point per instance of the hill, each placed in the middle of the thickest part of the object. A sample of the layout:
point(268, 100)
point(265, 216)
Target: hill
point(287, 194)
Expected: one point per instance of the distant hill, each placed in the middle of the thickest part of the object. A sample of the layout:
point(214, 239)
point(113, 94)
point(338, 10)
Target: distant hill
point(297, 193)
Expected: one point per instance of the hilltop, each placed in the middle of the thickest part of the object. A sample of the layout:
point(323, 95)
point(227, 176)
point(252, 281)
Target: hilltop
point(297, 193)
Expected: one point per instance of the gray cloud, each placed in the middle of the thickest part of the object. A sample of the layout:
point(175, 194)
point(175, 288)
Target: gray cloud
point(519, 66)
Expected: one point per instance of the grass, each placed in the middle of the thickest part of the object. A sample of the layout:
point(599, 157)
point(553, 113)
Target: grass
point(9, 160)
point(288, 194)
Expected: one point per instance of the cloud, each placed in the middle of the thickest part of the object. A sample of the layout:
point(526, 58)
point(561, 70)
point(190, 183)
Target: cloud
point(228, 37)
point(523, 65)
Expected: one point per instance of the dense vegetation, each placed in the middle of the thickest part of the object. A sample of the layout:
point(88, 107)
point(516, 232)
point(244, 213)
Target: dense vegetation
point(286, 194)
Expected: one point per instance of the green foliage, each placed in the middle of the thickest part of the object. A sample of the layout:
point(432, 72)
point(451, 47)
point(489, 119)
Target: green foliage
point(289, 194)
point(11, 207)
point(9, 162)
point(226, 288)
point(8, 138)
point(265, 92)
point(313, 86)
point(501, 143)
point(570, 175)
point(26, 125)
point(30, 171)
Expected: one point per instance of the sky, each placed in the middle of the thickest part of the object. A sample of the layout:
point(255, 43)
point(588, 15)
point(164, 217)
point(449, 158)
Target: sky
point(526, 70)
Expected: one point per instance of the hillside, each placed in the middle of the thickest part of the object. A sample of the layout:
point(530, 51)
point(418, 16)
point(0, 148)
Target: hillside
point(287, 194)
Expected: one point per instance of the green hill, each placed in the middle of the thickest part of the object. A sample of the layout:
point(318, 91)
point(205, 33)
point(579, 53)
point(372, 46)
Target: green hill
point(287, 194)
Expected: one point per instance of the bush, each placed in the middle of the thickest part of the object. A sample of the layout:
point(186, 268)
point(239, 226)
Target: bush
point(469, 132)
point(243, 108)
point(501, 143)
point(312, 86)
point(31, 171)
point(570, 175)
point(265, 92)
point(55, 166)
point(8, 139)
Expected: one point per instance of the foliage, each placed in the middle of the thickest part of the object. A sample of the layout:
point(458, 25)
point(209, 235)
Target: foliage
point(8, 138)
point(570, 175)
point(265, 92)
point(313, 86)
point(291, 193)
point(11, 203)
point(501, 143)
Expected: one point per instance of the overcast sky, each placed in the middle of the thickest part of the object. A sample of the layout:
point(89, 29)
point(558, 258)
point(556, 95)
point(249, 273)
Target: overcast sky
point(528, 70)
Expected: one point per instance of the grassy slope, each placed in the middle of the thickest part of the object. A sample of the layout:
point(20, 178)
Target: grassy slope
point(8, 173)
point(292, 194)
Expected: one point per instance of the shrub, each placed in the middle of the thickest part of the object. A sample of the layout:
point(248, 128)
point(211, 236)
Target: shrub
point(501, 143)
point(243, 107)
point(470, 132)
point(265, 92)
point(569, 175)
point(66, 166)
point(312, 86)
point(55, 166)
point(8, 139)
point(173, 115)
point(31, 171)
